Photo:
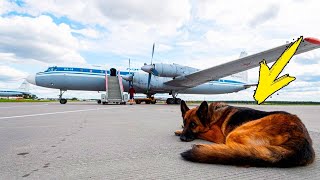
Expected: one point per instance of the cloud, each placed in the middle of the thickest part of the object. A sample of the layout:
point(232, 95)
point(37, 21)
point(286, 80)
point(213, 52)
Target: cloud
point(270, 13)
point(305, 61)
point(148, 12)
point(124, 27)
point(6, 6)
point(309, 78)
point(38, 39)
point(8, 74)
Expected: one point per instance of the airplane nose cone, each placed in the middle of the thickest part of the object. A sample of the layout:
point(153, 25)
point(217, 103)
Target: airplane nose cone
point(147, 68)
point(31, 79)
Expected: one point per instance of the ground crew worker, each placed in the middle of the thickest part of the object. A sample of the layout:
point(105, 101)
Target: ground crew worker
point(131, 92)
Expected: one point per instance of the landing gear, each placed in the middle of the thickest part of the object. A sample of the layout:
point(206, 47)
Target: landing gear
point(177, 101)
point(170, 101)
point(99, 101)
point(62, 101)
point(174, 99)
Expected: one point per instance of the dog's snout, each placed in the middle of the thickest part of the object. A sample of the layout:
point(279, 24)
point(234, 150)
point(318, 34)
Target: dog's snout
point(187, 138)
point(183, 138)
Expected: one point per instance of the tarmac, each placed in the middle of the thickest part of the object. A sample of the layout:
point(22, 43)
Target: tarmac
point(89, 141)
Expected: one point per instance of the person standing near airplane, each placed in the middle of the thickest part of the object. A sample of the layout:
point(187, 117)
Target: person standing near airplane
point(131, 92)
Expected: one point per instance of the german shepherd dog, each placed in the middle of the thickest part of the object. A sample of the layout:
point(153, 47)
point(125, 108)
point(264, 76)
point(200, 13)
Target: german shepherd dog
point(245, 137)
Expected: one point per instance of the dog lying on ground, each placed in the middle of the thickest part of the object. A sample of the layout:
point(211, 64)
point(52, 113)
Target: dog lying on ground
point(245, 137)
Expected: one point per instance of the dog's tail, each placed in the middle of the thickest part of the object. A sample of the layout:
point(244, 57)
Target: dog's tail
point(243, 155)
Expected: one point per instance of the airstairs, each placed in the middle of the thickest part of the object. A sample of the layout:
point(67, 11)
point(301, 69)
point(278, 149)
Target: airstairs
point(114, 89)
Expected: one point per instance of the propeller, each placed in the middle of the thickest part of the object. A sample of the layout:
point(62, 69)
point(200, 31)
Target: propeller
point(150, 69)
point(149, 77)
point(130, 82)
point(129, 77)
point(152, 53)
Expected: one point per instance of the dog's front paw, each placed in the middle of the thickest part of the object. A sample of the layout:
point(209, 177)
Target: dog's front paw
point(178, 132)
point(195, 146)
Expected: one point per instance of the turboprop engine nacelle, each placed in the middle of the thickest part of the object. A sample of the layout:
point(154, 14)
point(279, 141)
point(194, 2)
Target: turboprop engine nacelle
point(168, 70)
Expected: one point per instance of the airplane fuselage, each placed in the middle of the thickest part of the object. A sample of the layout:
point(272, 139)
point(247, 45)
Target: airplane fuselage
point(94, 80)
point(7, 93)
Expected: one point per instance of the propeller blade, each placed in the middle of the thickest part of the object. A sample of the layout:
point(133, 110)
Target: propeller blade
point(154, 72)
point(129, 77)
point(149, 80)
point(152, 53)
point(129, 66)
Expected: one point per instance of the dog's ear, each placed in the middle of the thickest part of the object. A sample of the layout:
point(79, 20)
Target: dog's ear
point(202, 112)
point(184, 108)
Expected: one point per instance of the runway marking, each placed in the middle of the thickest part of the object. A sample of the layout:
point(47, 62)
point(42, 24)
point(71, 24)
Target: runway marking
point(19, 127)
point(23, 106)
point(60, 112)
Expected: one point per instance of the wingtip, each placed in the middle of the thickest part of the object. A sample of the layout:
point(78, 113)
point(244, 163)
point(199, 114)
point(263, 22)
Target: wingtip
point(312, 40)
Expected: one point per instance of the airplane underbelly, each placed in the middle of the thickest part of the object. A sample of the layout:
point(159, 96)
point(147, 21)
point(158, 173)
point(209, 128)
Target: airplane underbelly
point(213, 88)
point(87, 83)
point(72, 82)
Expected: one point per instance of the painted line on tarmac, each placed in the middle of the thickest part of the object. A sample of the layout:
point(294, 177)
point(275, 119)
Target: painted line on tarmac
point(20, 127)
point(59, 112)
point(22, 106)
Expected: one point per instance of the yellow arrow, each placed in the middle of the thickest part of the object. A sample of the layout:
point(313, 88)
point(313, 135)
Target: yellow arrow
point(268, 81)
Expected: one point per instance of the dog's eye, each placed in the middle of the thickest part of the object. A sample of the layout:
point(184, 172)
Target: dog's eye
point(193, 125)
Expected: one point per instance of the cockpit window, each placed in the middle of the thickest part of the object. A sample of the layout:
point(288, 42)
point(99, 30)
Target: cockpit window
point(51, 69)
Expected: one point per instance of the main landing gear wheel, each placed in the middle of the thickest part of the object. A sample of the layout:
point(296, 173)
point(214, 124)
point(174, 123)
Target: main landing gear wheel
point(173, 101)
point(178, 101)
point(63, 101)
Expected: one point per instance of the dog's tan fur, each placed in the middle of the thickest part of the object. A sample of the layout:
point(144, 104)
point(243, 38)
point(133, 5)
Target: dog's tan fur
point(245, 136)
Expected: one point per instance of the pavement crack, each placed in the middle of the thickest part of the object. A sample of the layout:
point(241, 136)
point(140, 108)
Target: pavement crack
point(26, 175)
point(46, 165)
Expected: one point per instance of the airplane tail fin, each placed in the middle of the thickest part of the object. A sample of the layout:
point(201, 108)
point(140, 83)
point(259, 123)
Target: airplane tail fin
point(25, 86)
point(241, 76)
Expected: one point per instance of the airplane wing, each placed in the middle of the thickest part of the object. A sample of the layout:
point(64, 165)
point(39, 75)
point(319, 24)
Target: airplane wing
point(242, 64)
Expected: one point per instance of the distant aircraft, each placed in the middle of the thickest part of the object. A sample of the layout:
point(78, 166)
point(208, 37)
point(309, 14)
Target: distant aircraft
point(22, 91)
point(166, 78)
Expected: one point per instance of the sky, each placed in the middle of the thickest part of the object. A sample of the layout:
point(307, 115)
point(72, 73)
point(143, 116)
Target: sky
point(36, 34)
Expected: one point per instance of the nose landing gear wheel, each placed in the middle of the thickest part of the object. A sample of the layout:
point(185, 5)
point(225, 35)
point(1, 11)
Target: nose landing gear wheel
point(63, 101)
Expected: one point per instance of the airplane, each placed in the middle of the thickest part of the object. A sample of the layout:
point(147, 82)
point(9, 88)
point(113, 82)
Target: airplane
point(22, 91)
point(167, 78)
